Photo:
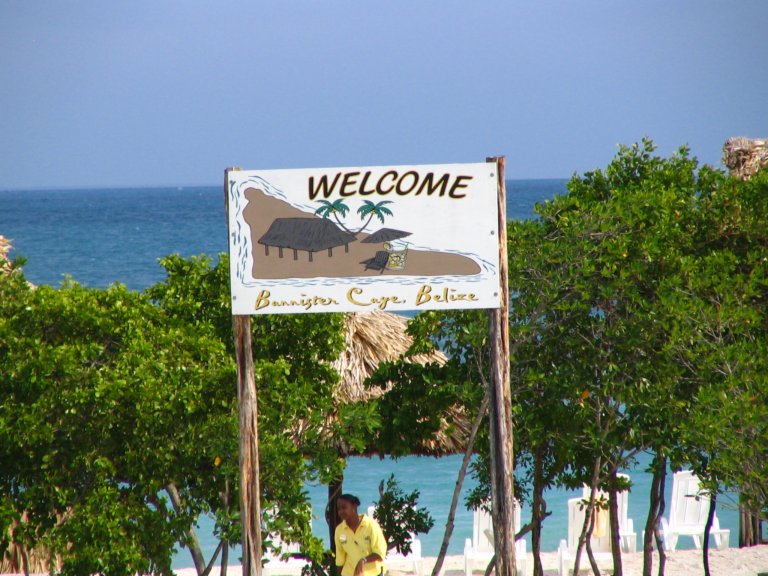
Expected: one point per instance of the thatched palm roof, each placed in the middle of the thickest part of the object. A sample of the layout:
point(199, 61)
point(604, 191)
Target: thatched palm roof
point(5, 248)
point(744, 157)
point(375, 337)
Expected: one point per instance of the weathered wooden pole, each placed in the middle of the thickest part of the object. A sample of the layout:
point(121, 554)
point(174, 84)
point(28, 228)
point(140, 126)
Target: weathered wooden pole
point(250, 489)
point(500, 408)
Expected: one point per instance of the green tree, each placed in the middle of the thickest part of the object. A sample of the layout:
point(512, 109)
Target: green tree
point(109, 397)
point(717, 311)
point(306, 432)
point(399, 515)
point(633, 283)
point(293, 357)
point(90, 380)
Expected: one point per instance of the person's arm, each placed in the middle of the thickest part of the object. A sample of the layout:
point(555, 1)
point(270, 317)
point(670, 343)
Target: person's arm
point(360, 567)
point(378, 544)
point(341, 554)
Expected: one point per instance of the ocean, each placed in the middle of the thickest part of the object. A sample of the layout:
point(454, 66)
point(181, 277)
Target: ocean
point(102, 236)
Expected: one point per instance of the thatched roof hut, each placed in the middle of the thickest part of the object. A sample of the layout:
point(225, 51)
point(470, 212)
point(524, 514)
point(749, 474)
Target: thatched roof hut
point(375, 337)
point(5, 248)
point(744, 156)
point(305, 234)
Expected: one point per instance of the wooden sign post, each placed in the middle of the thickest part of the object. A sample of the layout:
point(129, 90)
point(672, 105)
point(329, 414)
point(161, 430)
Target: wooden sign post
point(250, 489)
point(500, 408)
point(441, 249)
point(247, 400)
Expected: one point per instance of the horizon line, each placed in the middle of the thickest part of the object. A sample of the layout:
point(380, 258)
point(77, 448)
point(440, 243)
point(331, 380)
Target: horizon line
point(68, 188)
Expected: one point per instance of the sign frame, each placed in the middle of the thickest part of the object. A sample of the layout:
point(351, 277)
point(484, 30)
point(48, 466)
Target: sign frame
point(426, 239)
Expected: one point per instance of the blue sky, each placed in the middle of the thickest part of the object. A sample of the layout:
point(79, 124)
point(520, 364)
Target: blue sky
point(157, 92)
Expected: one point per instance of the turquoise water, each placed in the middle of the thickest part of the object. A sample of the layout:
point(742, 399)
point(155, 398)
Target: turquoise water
point(100, 236)
point(435, 478)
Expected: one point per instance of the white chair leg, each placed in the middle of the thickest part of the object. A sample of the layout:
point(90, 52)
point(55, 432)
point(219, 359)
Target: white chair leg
point(670, 542)
point(722, 539)
point(562, 558)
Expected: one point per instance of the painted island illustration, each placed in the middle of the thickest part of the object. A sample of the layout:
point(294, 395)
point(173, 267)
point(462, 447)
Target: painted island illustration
point(289, 242)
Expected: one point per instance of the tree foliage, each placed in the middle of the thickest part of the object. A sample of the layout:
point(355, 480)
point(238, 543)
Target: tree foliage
point(104, 403)
point(637, 323)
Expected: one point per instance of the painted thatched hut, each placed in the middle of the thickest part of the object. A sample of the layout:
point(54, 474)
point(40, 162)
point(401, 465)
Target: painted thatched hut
point(305, 234)
point(745, 156)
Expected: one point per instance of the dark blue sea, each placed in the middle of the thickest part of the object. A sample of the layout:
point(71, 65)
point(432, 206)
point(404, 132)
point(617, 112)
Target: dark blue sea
point(102, 236)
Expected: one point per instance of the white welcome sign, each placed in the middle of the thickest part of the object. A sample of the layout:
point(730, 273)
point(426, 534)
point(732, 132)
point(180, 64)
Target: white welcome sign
point(368, 238)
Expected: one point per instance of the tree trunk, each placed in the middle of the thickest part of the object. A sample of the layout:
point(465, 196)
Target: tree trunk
point(749, 524)
point(25, 560)
point(657, 527)
point(652, 520)
point(613, 515)
point(194, 543)
point(224, 560)
point(449, 524)
point(225, 549)
point(590, 530)
point(539, 508)
point(332, 516)
point(586, 530)
point(707, 530)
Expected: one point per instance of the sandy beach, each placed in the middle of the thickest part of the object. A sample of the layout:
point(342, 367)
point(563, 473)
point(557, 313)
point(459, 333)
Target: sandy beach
point(731, 562)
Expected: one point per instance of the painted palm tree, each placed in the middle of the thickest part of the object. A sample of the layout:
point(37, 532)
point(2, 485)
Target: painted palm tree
point(334, 208)
point(370, 210)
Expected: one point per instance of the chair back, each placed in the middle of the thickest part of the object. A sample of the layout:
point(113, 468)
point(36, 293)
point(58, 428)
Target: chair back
point(601, 533)
point(482, 527)
point(688, 510)
point(482, 531)
point(622, 502)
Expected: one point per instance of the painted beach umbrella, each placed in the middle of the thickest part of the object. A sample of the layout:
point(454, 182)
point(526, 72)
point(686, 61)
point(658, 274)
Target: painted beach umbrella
point(385, 235)
point(744, 156)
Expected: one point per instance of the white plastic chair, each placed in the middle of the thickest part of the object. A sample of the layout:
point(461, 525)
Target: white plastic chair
point(627, 534)
point(413, 560)
point(480, 547)
point(601, 534)
point(688, 514)
point(600, 541)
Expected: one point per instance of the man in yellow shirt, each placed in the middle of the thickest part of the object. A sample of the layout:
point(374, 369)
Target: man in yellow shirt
point(360, 543)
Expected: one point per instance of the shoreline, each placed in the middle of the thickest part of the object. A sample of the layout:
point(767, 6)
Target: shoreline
point(729, 562)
